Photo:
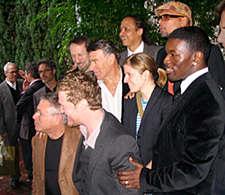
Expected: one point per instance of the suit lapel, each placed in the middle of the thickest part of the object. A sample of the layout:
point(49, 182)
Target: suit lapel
point(99, 144)
point(8, 93)
point(153, 99)
point(182, 99)
point(76, 163)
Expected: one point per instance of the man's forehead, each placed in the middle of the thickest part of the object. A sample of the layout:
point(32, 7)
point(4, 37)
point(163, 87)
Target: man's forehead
point(97, 53)
point(12, 66)
point(128, 21)
point(43, 66)
point(43, 104)
point(175, 44)
point(80, 45)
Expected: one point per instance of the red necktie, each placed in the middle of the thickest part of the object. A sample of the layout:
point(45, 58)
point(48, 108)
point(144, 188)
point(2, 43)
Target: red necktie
point(170, 87)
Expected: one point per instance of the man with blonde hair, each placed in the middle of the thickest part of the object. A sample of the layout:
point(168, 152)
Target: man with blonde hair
point(104, 147)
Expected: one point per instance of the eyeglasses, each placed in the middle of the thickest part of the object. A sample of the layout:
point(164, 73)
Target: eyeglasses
point(166, 17)
point(46, 114)
point(43, 71)
point(43, 114)
point(13, 72)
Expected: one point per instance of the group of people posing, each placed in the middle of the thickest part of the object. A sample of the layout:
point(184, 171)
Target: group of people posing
point(149, 120)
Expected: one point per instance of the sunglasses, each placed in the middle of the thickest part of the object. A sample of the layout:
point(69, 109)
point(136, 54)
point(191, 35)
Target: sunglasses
point(167, 17)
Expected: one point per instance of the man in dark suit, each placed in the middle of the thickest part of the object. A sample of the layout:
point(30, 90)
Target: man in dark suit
point(104, 57)
point(47, 73)
point(25, 111)
point(104, 147)
point(134, 36)
point(185, 152)
point(174, 15)
point(10, 91)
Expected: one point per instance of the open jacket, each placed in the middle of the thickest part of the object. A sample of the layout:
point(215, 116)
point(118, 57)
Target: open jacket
point(68, 152)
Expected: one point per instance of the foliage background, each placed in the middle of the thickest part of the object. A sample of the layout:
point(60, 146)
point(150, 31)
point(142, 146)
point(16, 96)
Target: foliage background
point(34, 29)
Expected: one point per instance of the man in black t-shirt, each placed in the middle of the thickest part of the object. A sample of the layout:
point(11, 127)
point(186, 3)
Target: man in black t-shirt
point(54, 154)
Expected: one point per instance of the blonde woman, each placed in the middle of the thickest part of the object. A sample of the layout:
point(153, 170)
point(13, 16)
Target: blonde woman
point(144, 113)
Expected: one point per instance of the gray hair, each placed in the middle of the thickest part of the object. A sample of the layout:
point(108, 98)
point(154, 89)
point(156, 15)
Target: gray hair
point(52, 98)
point(7, 65)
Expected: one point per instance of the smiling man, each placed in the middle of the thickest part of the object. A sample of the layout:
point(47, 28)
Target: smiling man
point(133, 34)
point(185, 152)
point(104, 146)
point(78, 51)
point(174, 15)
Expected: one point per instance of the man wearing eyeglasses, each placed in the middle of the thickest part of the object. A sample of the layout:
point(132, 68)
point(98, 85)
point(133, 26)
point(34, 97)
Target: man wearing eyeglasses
point(25, 111)
point(54, 154)
point(47, 73)
point(174, 15)
point(10, 91)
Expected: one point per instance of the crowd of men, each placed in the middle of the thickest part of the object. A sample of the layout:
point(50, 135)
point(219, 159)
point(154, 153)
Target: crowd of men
point(82, 146)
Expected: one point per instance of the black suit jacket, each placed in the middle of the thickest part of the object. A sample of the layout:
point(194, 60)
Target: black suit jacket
point(215, 64)
point(8, 116)
point(25, 110)
point(185, 151)
point(112, 150)
point(157, 108)
point(151, 50)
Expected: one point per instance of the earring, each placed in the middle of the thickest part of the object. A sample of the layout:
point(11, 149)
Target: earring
point(194, 63)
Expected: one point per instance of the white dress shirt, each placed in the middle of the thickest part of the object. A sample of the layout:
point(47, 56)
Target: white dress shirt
point(140, 49)
point(112, 103)
point(186, 82)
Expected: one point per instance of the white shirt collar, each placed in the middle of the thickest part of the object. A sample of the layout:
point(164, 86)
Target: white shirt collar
point(13, 85)
point(91, 140)
point(140, 49)
point(186, 82)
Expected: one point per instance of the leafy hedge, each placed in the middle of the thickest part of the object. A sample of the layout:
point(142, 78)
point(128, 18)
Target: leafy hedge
point(34, 29)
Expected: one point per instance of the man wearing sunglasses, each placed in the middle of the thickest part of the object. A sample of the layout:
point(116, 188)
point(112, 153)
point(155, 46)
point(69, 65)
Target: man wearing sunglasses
point(174, 15)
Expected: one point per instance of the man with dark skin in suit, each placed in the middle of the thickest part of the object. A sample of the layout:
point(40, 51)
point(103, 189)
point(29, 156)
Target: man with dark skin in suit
point(185, 151)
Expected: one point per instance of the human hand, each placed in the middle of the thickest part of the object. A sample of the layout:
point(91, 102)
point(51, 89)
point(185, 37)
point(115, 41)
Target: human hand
point(4, 135)
point(40, 134)
point(25, 84)
point(131, 178)
point(129, 95)
point(22, 74)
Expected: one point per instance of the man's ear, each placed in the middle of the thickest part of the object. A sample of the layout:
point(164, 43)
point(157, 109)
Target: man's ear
point(197, 58)
point(184, 22)
point(112, 58)
point(54, 71)
point(140, 31)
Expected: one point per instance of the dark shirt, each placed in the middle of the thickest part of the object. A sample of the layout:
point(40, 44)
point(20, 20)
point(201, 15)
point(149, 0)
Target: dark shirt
point(49, 90)
point(15, 93)
point(52, 158)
